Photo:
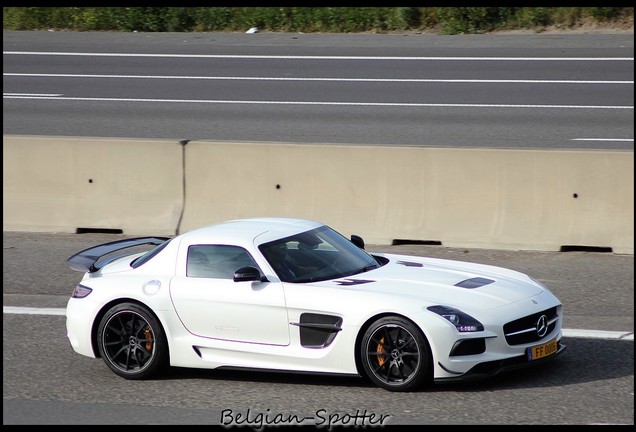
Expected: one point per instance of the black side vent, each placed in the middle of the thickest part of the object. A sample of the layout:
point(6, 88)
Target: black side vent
point(318, 330)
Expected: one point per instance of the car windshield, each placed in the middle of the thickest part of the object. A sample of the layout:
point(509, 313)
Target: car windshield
point(316, 255)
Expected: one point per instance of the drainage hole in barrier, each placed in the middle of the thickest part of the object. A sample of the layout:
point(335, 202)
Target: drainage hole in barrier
point(398, 242)
point(98, 231)
point(571, 248)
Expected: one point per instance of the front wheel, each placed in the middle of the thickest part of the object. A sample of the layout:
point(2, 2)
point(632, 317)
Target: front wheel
point(395, 354)
point(132, 342)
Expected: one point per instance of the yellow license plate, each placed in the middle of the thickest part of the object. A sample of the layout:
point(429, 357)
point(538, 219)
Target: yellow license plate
point(544, 350)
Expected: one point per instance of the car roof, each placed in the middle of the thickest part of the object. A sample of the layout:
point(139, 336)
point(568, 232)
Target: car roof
point(244, 231)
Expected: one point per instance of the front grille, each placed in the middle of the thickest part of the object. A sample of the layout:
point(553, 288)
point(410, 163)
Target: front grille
point(524, 330)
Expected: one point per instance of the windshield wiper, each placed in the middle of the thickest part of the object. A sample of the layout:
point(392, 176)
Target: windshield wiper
point(365, 269)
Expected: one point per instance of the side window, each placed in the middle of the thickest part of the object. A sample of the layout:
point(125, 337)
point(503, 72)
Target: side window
point(216, 261)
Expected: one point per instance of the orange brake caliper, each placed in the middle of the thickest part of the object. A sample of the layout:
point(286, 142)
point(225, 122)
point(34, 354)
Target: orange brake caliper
point(381, 358)
point(148, 335)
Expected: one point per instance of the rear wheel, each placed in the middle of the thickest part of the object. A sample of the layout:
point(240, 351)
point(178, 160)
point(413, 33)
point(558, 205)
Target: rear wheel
point(132, 342)
point(395, 354)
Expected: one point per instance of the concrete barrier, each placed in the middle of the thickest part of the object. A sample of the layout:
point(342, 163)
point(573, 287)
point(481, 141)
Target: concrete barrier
point(61, 184)
point(484, 198)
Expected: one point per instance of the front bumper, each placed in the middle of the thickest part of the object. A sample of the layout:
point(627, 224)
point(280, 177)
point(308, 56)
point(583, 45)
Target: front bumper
point(491, 368)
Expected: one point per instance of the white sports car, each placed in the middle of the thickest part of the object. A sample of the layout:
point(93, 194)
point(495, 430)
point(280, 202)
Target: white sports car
point(295, 295)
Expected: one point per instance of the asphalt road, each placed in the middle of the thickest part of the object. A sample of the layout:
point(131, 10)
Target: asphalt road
point(45, 382)
point(501, 91)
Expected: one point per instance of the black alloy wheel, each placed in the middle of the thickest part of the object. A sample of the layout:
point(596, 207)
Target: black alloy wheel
point(395, 354)
point(132, 342)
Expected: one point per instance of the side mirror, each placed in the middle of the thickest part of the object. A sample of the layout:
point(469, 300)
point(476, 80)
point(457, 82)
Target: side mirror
point(357, 240)
point(247, 274)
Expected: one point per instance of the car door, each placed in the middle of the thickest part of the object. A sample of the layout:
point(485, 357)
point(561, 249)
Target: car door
point(210, 304)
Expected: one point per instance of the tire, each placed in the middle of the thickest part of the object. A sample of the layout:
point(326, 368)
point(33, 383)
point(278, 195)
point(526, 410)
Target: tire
point(395, 354)
point(132, 342)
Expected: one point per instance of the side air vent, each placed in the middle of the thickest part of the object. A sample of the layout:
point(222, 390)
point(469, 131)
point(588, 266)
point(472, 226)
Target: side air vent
point(318, 330)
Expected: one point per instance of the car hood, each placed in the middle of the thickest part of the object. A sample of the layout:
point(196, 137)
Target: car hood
point(438, 281)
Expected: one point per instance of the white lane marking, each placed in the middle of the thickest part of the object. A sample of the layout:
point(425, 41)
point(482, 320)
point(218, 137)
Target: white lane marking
point(369, 104)
point(577, 333)
point(603, 139)
point(380, 80)
point(307, 57)
point(598, 334)
point(33, 310)
point(31, 94)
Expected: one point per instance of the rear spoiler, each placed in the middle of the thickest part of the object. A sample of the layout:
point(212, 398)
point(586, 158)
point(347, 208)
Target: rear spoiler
point(84, 261)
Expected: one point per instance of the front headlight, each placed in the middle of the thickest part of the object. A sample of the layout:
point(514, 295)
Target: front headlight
point(462, 321)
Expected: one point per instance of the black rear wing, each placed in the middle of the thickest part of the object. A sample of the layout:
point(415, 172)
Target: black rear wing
point(85, 261)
